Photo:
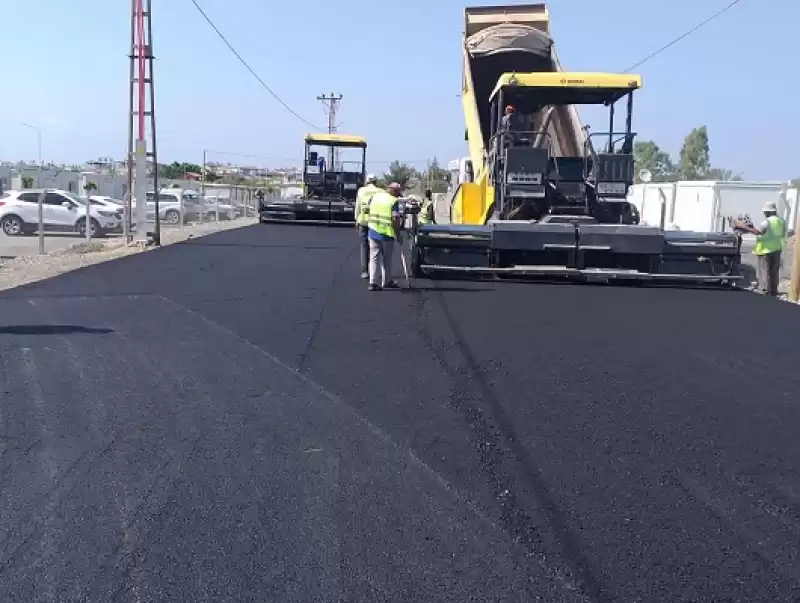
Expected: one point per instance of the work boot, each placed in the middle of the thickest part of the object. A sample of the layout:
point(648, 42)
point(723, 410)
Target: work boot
point(365, 275)
point(391, 285)
point(374, 287)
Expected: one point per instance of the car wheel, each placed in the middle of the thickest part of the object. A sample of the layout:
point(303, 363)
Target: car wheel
point(94, 226)
point(13, 226)
point(172, 216)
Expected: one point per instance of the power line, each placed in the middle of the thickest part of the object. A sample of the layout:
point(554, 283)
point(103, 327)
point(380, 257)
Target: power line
point(250, 69)
point(683, 35)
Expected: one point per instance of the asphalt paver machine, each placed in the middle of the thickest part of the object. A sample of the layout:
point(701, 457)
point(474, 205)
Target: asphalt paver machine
point(330, 184)
point(546, 196)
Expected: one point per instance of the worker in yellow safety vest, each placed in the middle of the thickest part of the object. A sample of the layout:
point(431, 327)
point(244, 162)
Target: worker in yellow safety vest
point(769, 245)
point(426, 210)
point(361, 212)
point(385, 222)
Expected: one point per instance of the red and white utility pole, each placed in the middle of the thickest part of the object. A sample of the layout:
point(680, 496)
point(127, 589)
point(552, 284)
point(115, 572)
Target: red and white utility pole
point(141, 130)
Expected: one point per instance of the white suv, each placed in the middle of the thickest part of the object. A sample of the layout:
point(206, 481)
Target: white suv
point(62, 212)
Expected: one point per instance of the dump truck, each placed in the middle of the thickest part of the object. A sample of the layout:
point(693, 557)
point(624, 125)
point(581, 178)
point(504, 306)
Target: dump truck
point(330, 185)
point(542, 195)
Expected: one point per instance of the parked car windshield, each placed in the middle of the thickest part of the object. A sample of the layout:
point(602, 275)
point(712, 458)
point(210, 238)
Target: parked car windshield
point(73, 198)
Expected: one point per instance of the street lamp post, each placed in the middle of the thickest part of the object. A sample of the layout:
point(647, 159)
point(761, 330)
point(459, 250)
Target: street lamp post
point(39, 146)
point(42, 192)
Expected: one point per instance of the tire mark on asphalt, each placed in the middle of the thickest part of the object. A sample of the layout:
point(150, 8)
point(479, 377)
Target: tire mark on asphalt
point(494, 436)
point(304, 355)
point(406, 453)
point(141, 521)
point(98, 419)
point(30, 372)
point(144, 519)
point(743, 369)
point(11, 451)
point(746, 531)
point(160, 484)
point(42, 512)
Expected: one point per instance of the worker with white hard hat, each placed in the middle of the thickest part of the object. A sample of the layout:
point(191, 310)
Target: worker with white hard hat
point(770, 237)
point(361, 212)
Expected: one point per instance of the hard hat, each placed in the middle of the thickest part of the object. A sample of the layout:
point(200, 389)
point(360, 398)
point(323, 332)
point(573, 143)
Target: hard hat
point(371, 178)
point(770, 206)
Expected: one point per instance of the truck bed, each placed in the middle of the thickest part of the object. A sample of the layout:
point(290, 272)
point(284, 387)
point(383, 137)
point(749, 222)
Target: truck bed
point(507, 39)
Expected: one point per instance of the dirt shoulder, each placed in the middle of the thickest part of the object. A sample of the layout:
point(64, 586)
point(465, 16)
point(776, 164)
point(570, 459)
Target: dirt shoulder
point(30, 269)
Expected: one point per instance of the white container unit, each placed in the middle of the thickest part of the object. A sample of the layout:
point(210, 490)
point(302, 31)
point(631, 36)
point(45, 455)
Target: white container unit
point(704, 206)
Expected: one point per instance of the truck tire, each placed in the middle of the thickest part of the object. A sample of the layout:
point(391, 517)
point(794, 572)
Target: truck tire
point(172, 216)
point(416, 262)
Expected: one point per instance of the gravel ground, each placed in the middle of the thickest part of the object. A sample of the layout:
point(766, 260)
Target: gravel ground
point(30, 269)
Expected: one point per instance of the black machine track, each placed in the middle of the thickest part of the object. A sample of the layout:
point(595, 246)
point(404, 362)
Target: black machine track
point(236, 418)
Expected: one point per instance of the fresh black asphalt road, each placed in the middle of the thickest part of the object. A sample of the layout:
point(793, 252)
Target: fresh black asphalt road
point(235, 418)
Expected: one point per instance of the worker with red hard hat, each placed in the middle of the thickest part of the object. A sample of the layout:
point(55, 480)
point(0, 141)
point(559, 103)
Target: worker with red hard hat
point(511, 121)
point(385, 223)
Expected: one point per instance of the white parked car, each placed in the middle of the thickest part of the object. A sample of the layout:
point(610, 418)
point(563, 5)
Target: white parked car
point(62, 212)
point(109, 203)
point(226, 210)
point(169, 205)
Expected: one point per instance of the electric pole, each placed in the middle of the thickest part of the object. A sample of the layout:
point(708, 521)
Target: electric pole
point(141, 110)
point(331, 103)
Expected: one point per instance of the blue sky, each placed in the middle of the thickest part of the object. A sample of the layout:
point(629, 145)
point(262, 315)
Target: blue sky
point(399, 72)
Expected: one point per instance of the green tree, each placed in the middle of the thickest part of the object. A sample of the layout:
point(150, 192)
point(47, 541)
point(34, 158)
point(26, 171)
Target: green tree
point(724, 175)
point(178, 170)
point(402, 173)
point(27, 182)
point(695, 158)
point(647, 155)
point(436, 177)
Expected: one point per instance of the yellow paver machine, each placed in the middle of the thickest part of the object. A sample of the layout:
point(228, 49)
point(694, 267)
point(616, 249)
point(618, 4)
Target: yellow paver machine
point(541, 196)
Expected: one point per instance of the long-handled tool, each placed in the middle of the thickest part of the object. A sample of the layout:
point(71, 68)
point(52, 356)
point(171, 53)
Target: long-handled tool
point(405, 267)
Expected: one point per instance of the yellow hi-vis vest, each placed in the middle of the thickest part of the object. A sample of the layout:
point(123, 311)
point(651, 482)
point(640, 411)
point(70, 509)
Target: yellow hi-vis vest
point(424, 211)
point(362, 203)
point(380, 213)
point(771, 240)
